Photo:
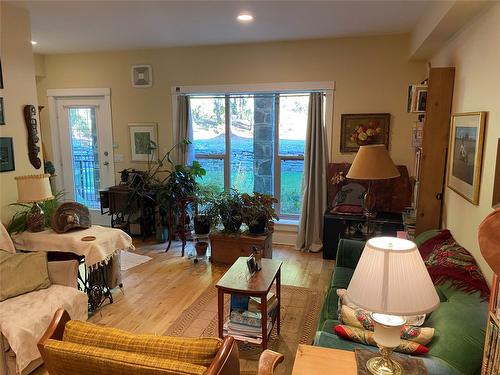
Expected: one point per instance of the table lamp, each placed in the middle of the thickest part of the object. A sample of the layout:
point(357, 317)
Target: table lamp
point(392, 282)
point(34, 189)
point(372, 162)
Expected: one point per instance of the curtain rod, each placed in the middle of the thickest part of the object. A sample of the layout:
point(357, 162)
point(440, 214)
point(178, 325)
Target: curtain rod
point(248, 94)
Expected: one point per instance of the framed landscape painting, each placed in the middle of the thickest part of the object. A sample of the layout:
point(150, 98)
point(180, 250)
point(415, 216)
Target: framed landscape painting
point(141, 136)
point(364, 129)
point(465, 152)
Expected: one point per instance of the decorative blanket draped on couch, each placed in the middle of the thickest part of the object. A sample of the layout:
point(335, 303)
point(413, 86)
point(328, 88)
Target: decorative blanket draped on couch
point(459, 321)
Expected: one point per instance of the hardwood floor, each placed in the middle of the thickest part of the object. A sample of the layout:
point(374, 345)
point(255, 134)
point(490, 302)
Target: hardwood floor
point(156, 292)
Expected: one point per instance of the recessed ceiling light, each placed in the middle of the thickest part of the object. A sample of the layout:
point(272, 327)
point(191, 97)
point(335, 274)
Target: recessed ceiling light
point(245, 17)
point(34, 43)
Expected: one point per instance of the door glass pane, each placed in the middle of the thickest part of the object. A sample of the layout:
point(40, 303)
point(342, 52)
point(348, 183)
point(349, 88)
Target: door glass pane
point(293, 124)
point(242, 143)
point(85, 154)
point(291, 186)
point(214, 179)
point(208, 121)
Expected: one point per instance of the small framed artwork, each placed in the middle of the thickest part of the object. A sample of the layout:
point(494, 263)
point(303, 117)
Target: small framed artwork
point(142, 76)
point(2, 112)
point(465, 152)
point(417, 98)
point(6, 155)
point(364, 129)
point(496, 183)
point(251, 265)
point(143, 141)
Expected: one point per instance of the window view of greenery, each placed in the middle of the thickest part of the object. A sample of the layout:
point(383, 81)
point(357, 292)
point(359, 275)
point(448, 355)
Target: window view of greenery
point(85, 156)
point(208, 115)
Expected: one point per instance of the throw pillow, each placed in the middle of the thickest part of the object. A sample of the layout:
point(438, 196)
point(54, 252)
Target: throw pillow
point(361, 319)
point(414, 320)
point(22, 273)
point(446, 260)
point(366, 337)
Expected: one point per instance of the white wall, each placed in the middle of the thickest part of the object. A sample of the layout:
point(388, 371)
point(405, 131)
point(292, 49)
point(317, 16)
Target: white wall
point(19, 89)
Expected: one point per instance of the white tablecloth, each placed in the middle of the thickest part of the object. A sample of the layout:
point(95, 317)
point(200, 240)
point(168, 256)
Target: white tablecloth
point(107, 243)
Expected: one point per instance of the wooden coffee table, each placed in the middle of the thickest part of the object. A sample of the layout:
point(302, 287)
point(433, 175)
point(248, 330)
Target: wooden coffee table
point(237, 280)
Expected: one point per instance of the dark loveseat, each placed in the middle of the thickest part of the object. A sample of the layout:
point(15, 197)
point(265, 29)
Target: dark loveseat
point(459, 321)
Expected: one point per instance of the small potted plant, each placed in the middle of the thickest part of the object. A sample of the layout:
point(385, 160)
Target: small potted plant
point(205, 213)
point(229, 207)
point(258, 211)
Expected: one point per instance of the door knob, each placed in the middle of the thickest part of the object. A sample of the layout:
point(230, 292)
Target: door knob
point(106, 163)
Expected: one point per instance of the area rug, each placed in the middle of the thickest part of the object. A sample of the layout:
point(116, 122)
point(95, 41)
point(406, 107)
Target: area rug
point(300, 310)
point(130, 260)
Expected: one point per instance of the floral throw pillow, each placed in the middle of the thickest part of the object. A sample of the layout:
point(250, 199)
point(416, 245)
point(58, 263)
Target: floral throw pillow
point(362, 319)
point(366, 337)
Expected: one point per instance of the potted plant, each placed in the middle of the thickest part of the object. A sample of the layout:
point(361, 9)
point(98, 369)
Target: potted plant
point(258, 211)
point(205, 213)
point(229, 207)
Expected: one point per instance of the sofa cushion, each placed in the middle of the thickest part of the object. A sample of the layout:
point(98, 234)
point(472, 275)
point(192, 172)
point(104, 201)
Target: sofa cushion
point(198, 351)
point(24, 319)
point(341, 277)
point(71, 358)
point(22, 273)
point(460, 325)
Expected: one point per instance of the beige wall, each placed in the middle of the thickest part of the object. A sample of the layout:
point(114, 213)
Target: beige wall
point(475, 53)
point(372, 75)
point(19, 90)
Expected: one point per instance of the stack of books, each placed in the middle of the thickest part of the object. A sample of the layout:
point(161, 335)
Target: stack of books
point(245, 320)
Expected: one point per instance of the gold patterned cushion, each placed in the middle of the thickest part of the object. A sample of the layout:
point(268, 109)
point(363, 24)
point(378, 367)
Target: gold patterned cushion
point(77, 359)
point(198, 351)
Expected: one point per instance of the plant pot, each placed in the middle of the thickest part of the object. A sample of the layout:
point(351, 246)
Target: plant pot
point(259, 227)
point(201, 248)
point(201, 224)
point(232, 224)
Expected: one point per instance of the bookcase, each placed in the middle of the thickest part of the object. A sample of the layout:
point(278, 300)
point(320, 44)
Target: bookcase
point(491, 356)
point(431, 143)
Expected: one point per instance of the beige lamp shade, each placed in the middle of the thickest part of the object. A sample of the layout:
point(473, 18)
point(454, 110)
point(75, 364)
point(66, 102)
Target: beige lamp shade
point(33, 188)
point(391, 278)
point(372, 162)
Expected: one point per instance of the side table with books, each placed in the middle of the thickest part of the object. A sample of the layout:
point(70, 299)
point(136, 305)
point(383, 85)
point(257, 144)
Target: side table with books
point(254, 309)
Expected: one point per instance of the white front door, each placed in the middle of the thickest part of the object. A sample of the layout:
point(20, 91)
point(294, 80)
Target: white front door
point(86, 151)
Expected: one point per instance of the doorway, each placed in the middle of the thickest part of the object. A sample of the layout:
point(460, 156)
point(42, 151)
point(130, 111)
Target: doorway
point(83, 146)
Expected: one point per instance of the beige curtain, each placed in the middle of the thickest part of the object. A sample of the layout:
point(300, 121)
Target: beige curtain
point(314, 196)
point(183, 154)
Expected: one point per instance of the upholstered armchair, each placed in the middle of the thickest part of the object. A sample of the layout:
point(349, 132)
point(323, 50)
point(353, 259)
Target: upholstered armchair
point(25, 317)
point(71, 347)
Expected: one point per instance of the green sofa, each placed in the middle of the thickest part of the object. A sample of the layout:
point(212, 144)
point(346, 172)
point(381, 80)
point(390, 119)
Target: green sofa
point(459, 321)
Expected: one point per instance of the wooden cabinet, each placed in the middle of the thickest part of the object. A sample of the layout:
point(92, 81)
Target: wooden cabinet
point(355, 227)
point(227, 248)
point(434, 149)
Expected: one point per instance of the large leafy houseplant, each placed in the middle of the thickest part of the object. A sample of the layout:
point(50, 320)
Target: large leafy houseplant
point(258, 211)
point(205, 212)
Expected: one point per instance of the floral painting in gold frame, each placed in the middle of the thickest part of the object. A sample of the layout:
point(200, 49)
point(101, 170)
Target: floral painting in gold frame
point(465, 154)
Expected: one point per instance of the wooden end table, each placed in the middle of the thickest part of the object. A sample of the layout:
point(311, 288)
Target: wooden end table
point(323, 361)
point(237, 280)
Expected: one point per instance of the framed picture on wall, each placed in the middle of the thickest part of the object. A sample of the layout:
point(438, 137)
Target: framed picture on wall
point(364, 129)
point(465, 153)
point(143, 141)
point(6, 155)
point(1, 75)
point(2, 112)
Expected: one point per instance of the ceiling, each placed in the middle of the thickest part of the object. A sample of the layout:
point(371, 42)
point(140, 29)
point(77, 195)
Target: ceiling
point(81, 26)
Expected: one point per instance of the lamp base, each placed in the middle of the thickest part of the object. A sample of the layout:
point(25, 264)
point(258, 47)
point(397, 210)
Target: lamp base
point(384, 365)
point(369, 201)
point(35, 219)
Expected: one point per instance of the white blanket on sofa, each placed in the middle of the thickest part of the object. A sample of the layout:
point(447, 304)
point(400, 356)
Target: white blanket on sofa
point(24, 319)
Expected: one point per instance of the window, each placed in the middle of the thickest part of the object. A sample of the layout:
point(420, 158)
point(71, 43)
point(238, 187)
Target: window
point(253, 142)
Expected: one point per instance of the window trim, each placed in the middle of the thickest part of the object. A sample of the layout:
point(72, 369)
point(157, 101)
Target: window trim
point(328, 87)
